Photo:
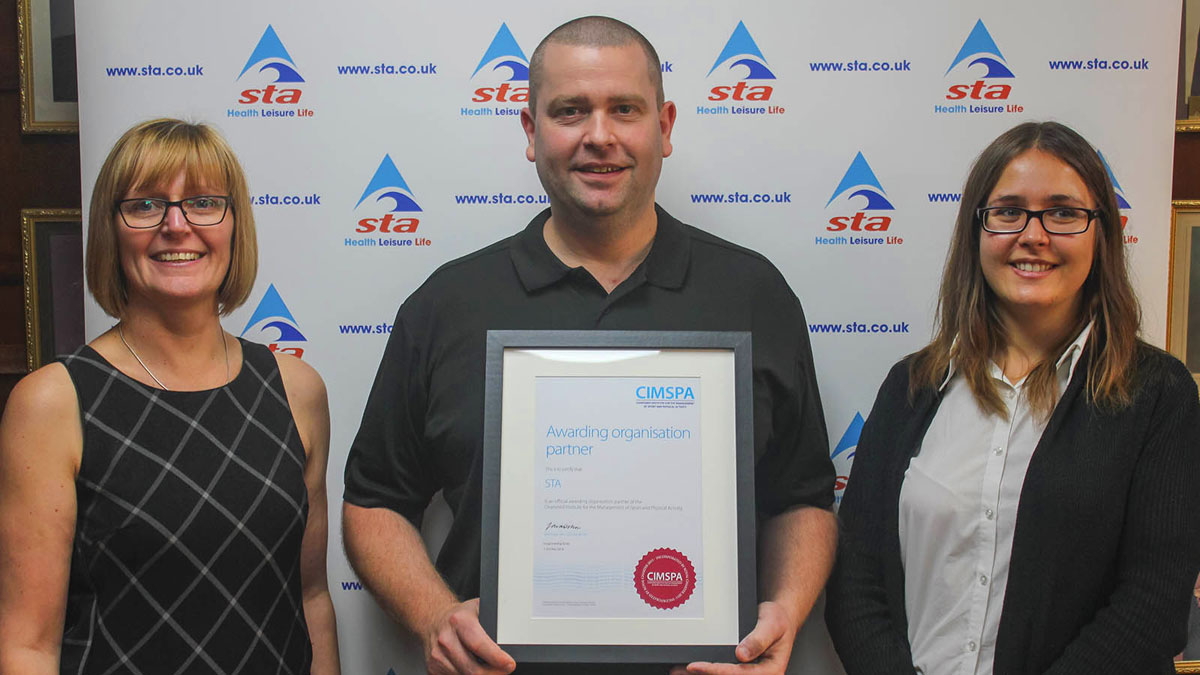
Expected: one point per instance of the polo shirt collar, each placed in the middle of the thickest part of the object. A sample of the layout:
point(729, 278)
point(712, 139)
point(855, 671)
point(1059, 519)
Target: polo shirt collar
point(666, 265)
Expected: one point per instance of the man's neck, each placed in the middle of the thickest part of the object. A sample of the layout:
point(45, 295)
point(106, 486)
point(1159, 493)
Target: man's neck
point(609, 249)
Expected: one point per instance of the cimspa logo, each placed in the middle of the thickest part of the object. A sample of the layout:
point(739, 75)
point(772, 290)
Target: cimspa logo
point(863, 206)
point(843, 455)
point(668, 396)
point(1122, 201)
point(502, 76)
point(980, 76)
point(387, 207)
point(272, 81)
point(272, 323)
point(744, 82)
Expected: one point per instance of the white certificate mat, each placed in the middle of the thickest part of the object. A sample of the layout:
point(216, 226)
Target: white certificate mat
point(618, 513)
point(616, 454)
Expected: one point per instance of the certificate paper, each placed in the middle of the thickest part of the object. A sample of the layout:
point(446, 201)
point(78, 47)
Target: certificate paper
point(617, 454)
point(618, 496)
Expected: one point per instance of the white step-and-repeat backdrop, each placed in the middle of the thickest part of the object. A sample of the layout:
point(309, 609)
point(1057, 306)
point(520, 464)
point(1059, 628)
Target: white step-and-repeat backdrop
point(833, 137)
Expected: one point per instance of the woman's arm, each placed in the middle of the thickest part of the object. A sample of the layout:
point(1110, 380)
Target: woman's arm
point(41, 441)
point(310, 408)
point(857, 612)
point(1142, 624)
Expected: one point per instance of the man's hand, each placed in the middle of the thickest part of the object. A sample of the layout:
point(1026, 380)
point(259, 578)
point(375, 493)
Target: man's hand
point(765, 651)
point(457, 645)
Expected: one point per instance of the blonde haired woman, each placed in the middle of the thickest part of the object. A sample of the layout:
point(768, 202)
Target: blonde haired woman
point(162, 489)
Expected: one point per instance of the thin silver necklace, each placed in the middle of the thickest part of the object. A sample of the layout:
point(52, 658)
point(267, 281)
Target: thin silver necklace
point(121, 333)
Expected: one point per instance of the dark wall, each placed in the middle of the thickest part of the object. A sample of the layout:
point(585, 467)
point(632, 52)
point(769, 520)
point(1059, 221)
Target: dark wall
point(1185, 184)
point(39, 171)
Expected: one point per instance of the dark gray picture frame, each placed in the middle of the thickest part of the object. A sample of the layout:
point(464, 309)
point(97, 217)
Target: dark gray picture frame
point(736, 342)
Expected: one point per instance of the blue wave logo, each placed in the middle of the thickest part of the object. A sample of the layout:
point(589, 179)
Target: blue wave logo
point(741, 51)
point(270, 54)
point(850, 438)
point(273, 313)
point(504, 52)
point(387, 183)
point(861, 179)
point(980, 49)
point(1121, 201)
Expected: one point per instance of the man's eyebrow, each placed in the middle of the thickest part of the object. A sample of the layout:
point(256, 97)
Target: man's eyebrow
point(627, 98)
point(577, 100)
point(582, 101)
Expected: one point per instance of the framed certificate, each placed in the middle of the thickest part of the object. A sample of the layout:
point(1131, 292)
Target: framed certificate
point(618, 496)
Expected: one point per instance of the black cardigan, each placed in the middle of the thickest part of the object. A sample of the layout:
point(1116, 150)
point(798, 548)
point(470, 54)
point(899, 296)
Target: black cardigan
point(1107, 541)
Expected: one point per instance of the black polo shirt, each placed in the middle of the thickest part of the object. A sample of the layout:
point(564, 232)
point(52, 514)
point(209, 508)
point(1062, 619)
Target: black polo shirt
point(422, 430)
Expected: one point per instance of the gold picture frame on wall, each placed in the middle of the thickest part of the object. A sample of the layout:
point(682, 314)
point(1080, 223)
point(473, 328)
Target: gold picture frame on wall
point(1187, 666)
point(1183, 340)
point(52, 264)
point(1187, 105)
point(46, 52)
point(1183, 293)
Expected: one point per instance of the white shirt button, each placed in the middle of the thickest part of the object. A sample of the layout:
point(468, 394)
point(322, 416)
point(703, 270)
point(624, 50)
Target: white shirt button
point(989, 513)
point(997, 451)
point(971, 646)
point(983, 580)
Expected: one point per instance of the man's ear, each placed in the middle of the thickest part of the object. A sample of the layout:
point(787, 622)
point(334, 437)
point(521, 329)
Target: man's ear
point(666, 122)
point(527, 123)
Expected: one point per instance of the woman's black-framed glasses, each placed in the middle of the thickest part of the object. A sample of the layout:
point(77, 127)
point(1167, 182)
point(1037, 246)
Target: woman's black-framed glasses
point(1056, 220)
point(144, 213)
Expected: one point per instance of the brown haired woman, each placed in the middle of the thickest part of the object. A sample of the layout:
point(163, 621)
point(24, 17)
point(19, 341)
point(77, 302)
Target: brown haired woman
point(1023, 497)
point(162, 489)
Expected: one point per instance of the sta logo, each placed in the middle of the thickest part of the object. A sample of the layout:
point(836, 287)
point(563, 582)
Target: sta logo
point(273, 323)
point(1122, 202)
point(860, 181)
point(504, 54)
point(388, 184)
point(741, 51)
point(270, 55)
point(979, 49)
point(843, 453)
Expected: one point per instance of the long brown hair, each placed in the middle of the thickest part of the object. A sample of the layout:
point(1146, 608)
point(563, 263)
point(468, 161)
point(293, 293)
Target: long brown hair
point(969, 329)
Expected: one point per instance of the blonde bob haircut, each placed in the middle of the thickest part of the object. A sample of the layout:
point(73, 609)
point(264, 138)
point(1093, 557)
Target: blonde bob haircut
point(152, 154)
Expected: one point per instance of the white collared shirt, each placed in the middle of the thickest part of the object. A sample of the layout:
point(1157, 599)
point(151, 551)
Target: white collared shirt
point(958, 509)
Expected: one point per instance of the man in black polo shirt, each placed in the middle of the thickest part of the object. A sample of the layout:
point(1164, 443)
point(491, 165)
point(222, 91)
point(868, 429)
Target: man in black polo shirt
point(604, 256)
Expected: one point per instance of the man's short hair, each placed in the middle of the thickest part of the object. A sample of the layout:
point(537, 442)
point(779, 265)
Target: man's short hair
point(594, 31)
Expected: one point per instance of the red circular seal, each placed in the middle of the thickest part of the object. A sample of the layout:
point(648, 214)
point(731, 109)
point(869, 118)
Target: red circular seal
point(664, 578)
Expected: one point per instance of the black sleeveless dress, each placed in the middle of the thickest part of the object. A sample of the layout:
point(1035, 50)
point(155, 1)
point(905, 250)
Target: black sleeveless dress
point(191, 510)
